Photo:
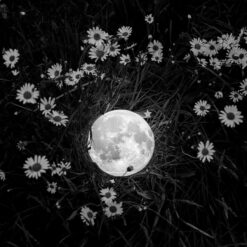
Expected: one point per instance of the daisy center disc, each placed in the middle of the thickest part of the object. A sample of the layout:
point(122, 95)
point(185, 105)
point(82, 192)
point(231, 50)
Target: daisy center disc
point(124, 34)
point(205, 151)
point(230, 115)
point(112, 209)
point(155, 48)
point(36, 167)
point(56, 73)
point(48, 106)
point(97, 36)
point(27, 95)
point(57, 119)
point(89, 214)
point(197, 46)
point(99, 53)
point(11, 58)
point(107, 194)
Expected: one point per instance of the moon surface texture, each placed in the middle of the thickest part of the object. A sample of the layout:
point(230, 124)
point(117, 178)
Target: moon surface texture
point(121, 143)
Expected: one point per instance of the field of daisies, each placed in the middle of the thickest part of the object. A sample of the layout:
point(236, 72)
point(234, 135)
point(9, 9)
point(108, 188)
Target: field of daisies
point(181, 66)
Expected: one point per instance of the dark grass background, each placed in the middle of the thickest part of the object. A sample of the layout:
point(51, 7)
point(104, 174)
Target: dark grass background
point(51, 32)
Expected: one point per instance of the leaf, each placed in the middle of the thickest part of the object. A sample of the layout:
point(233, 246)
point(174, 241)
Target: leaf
point(144, 194)
point(73, 215)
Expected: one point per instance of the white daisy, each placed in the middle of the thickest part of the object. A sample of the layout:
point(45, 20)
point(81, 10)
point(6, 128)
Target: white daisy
point(63, 167)
point(21, 145)
point(243, 87)
point(11, 57)
point(197, 46)
point(89, 68)
point(230, 116)
point(114, 49)
point(87, 215)
point(157, 56)
point(47, 105)
point(15, 72)
point(55, 71)
point(124, 59)
point(215, 63)
point(235, 96)
point(113, 209)
point(27, 94)
point(99, 52)
point(108, 195)
point(141, 58)
point(77, 74)
point(211, 48)
point(154, 47)
point(2, 175)
point(202, 61)
point(149, 18)
point(124, 32)
point(52, 187)
point(236, 55)
point(147, 114)
point(57, 118)
point(201, 108)
point(34, 167)
point(227, 41)
point(96, 36)
point(218, 95)
point(205, 151)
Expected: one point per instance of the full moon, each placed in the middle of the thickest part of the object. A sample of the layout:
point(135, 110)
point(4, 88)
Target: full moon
point(121, 143)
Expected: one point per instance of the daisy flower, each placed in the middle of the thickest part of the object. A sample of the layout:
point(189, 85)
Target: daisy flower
point(218, 95)
point(47, 105)
point(55, 71)
point(149, 19)
point(201, 108)
point(96, 36)
point(11, 57)
point(52, 187)
point(58, 118)
point(87, 215)
point(27, 94)
point(34, 167)
point(141, 58)
point(230, 116)
point(147, 114)
point(197, 46)
point(77, 74)
point(243, 87)
point(63, 167)
point(154, 47)
point(113, 209)
point(227, 41)
point(211, 48)
point(215, 63)
point(15, 72)
point(114, 49)
point(124, 32)
point(124, 59)
point(2, 175)
point(235, 96)
point(99, 52)
point(236, 55)
point(108, 195)
point(205, 151)
point(202, 61)
point(89, 68)
point(21, 145)
point(157, 56)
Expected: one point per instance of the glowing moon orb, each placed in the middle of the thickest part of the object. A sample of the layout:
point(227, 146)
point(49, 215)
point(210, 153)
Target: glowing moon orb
point(122, 143)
